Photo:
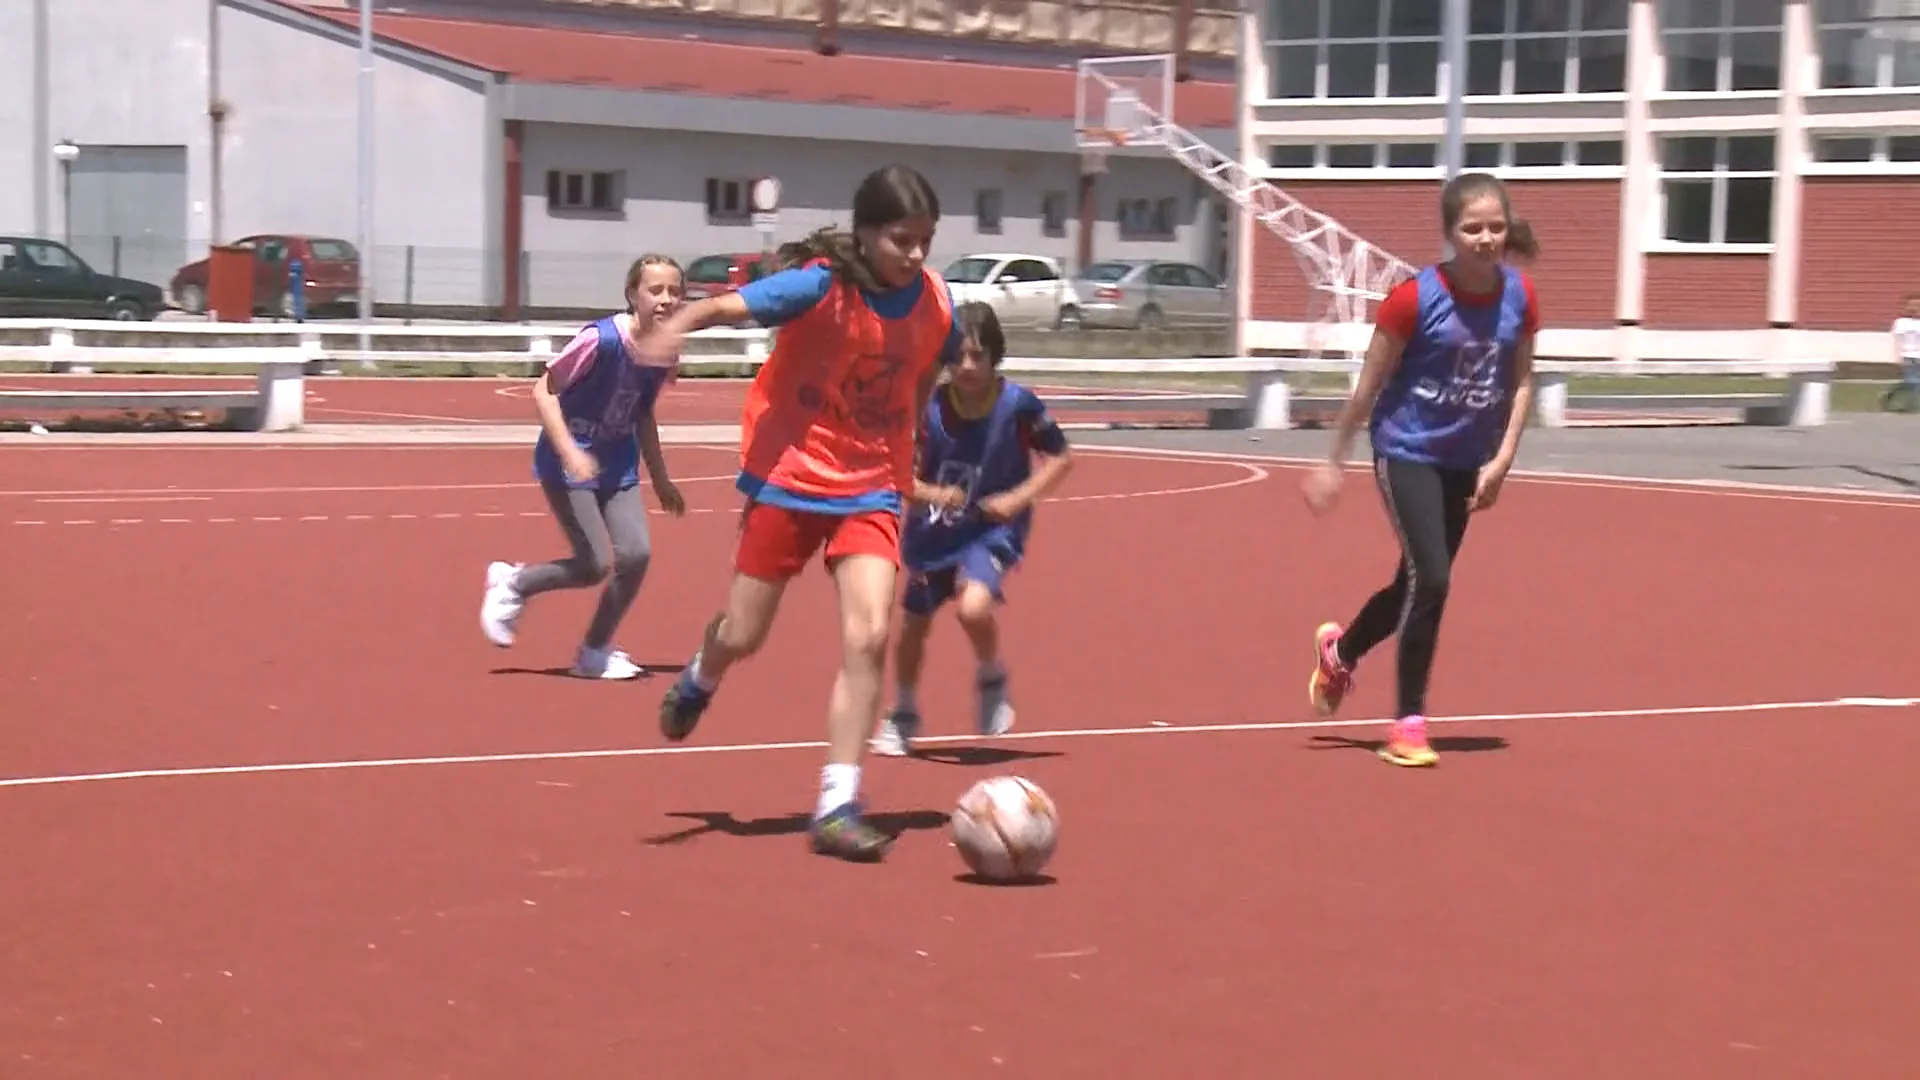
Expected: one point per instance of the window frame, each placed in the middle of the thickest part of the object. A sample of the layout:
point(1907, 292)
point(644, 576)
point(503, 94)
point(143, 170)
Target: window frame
point(1658, 242)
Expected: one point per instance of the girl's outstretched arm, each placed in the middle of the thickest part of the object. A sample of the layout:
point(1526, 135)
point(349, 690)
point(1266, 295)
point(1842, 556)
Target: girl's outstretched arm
point(1383, 358)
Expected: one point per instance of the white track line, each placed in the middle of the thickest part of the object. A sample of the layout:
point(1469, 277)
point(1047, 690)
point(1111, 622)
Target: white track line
point(1018, 736)
point(1730, 488)
point(132, 493)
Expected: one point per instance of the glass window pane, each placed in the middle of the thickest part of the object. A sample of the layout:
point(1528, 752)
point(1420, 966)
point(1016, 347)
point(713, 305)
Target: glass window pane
point(1603, 63)
point(1294, 20)
point(1537, 154)
point(1483, 67)
point(1903, 148)
point(1839, 11)
point(1290, 157)
point(1412, 155)
point(1750, 153)
point(1689, 153)
point(1540, 65)
point(1749, 210)
point(1354, 19)
point(1842, 148)
point(1758, 14)
point(1600, 152)
point(1413, 18)
point(1848, 58)
point(1756, 60)
point(1483, 155)
point(1906, 62)
point(1351, 70)
point(1693, 61)
point(1689, 211)
point(1350, 156)
point(1292, 71)
point(1682, 14)
point(1603, 14)
point(1542, 16)
point(1413, 68)
point(1487, 17)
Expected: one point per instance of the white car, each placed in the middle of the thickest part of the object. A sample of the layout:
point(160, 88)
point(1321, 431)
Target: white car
point(1024, 290)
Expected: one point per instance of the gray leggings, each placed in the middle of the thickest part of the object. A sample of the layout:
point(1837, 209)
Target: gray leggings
point(621, 549)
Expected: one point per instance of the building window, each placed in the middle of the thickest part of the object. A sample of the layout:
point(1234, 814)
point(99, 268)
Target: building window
point(1717, 190)
point(1600, 153)
point(727, 201)
point(1146, 219)
point(1858, 49)
point(1290, 156)
point(1721, 45)
point(585, 192)
point(1412, 155)
point(1354, 48)
point(1053, 213)
point(1352, 156)
point(1862, 149)
point(986, 210)
point(1546, 47)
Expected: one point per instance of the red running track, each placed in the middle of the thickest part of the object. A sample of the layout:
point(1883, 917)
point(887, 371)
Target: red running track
point(1651, 894)
point(414, 401)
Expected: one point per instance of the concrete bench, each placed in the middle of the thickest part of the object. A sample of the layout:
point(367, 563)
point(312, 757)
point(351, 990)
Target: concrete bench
point(1805, 401)
point(277, 401)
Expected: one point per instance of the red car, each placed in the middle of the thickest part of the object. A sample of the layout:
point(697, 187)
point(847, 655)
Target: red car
point(331, 268)
point(713, 275)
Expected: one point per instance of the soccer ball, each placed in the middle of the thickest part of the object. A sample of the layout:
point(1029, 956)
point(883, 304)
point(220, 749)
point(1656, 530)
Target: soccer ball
point(1006, 828)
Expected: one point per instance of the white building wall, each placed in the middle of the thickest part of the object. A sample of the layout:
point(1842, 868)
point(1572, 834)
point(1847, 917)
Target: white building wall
point(577, 258)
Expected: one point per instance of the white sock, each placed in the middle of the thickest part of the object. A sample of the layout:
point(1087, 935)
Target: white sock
point(693, 672)
point(839, 785)
point(906, 699)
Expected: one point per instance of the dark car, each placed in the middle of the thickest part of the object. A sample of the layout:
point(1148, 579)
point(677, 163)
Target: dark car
point(42, 279)
point(330, 267)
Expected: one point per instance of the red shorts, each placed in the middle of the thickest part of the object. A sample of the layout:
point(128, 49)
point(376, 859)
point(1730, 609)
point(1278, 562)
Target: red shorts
point(776, 543)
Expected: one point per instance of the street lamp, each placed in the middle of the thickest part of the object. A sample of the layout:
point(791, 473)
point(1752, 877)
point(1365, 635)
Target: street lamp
point(65, 152)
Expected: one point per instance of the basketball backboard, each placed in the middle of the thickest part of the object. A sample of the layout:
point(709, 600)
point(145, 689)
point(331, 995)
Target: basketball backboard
point(1123, 101)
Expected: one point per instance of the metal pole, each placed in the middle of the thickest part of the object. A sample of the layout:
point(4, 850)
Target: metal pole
point(365, 185)
point(42, 117)
point(1453, 50)
point(1453, 30)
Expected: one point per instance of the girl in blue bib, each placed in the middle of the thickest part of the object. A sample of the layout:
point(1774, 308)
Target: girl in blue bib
point(988, 451)
point(1447, 387)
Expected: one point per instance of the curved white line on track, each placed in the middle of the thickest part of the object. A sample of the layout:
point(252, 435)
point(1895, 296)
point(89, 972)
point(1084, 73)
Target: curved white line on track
point(1747, 489)
point(1254, 474)
point(344, 765)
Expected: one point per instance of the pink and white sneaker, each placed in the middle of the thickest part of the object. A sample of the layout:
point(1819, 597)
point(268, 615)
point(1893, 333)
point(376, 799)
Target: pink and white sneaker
point(1407, 744)
point(1331, 679)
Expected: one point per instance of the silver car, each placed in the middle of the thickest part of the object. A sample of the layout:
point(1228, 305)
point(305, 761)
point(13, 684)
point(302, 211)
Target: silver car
point(1144, 294)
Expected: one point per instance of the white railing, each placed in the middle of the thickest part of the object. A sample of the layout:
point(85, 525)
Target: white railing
point(1625, 345)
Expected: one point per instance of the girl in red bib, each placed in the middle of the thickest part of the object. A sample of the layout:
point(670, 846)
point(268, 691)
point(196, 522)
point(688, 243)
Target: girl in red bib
point(826, 460)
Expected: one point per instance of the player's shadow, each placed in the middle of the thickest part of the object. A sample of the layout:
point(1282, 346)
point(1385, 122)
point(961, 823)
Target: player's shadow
point(647, 671)
point(892, 822)
point(979, 757)
point(1442, 744)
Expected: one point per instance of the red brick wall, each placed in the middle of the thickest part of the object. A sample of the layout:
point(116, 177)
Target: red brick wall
point(1735, 284)
point(1576, 221)
point(1860, 250)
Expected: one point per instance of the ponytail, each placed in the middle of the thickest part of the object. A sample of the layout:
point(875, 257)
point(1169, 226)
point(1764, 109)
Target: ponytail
point(840, 250)
point(1521, 242)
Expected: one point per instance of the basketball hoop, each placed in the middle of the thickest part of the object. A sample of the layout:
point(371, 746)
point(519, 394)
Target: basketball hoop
point(1094, 147)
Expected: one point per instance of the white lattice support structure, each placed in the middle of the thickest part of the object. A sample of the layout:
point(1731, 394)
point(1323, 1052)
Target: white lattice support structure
point(1127, 101)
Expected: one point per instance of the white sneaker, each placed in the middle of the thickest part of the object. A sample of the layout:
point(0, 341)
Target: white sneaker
point(500, 606)
point(995, 714)
point(895, 735)
point(605, 664)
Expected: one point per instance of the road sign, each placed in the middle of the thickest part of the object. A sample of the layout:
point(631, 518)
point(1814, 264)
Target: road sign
point(766, 220)
point(766, 195)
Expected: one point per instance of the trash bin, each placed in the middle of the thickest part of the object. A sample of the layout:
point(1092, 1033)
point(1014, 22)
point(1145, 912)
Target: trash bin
point(230, 284)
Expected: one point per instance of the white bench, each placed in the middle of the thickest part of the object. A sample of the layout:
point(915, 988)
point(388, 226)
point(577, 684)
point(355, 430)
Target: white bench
point(277, 401)
point(1266, 402)
point(1805, 402)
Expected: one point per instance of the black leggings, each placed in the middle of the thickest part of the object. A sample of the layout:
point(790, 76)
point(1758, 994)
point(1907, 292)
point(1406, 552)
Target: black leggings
point(1428, 507)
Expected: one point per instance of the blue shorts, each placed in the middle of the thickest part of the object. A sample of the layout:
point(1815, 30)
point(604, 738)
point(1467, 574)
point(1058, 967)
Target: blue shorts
point(926, 591)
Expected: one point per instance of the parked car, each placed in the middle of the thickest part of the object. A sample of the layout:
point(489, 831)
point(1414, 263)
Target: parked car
point(716, 275)
point(330, 267)
point(1144, 294)
point(1024, 290)
point(41, 279)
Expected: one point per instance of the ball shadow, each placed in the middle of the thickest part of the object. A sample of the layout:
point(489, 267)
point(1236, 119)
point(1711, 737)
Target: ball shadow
point(1034, 882)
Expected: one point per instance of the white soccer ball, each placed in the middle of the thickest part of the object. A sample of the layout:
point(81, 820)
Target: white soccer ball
point(1006, 828)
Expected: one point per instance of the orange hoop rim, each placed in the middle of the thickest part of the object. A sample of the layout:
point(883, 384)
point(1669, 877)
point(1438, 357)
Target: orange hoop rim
point(1110, 136)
